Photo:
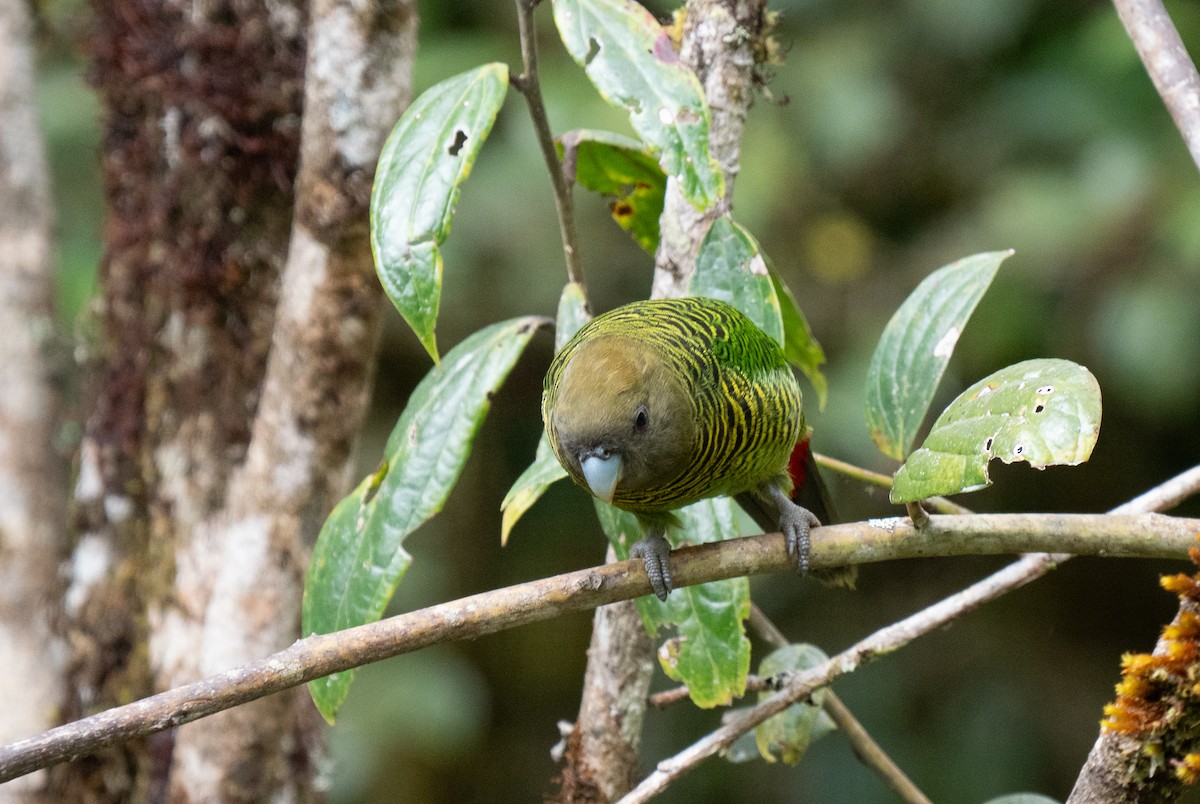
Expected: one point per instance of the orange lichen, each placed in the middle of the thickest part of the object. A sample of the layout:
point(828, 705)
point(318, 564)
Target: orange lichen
point(1187, 770)
point(1158, 697)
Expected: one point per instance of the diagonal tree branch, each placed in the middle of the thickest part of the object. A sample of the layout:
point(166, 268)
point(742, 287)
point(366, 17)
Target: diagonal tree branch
point(1166, 60)
point(896, 636)
point(869, 752)
point(1147, 535)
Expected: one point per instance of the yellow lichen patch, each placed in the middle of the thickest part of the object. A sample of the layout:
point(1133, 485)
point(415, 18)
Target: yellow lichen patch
point(1158, 697)
point(1187, 770)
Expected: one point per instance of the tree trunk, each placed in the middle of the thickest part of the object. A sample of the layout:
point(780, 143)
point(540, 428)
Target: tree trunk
point(31, 525)
point(229, 384)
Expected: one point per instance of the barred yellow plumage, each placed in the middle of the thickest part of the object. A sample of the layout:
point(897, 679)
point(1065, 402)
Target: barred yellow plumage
point(661, 403)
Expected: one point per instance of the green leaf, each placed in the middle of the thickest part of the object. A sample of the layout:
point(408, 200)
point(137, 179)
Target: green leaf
point(730, 267)
point(708, 650)
point(530, 486)
point(358, 559)
point(799, 346)
point(1043, 412)
point(1022, 798)
point(426, 158)
point(572, 314)
point(787, 735)
point(916, 346)
point(545, 469)
point(625, 170)
point(633, 63)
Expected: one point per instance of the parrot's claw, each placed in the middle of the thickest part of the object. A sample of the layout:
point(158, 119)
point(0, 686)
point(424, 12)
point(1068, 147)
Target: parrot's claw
point(796, 522)
point(655, 552)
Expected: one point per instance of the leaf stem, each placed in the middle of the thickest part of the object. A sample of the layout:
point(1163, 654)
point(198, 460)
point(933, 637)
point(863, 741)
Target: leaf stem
point(528, 84)
point(939, 504)
point(918, 515)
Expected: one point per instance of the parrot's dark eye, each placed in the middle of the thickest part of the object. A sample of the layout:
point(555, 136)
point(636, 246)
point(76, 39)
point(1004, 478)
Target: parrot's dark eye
point(641, 419)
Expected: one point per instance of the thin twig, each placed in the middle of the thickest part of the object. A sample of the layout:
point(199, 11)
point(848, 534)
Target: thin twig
point(853, 472)
point(897, 635)
point(1166, 60)
point(804, 683)
point(661, 700)
point(869, 752)
point(528, 84)
point(939, 504)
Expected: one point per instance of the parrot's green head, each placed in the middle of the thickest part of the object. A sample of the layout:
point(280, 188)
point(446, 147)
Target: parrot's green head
point(622, 419)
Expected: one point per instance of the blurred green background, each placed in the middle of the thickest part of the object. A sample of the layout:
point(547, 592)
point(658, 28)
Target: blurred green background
point(895, 138)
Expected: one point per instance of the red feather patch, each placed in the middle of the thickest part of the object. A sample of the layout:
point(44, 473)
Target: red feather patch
point(798, 464)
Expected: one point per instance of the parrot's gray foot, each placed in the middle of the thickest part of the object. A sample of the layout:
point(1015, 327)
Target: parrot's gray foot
point(795, 522)
point(655, 552)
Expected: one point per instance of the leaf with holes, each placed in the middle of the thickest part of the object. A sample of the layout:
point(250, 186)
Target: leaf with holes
point(632, 62)
point(1043, 412)
point(359, 558)
point(916, 345)
point(626, 171)
point(708, 649)
point(786, 736)
point(545, 469)
point(426, 158)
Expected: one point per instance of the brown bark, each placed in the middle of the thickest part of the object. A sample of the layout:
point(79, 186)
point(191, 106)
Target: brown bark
point(31, 523)
point(200, 148)
point(721, 40)
point(227, 388)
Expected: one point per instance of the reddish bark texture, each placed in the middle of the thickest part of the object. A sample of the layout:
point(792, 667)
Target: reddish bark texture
point(202, 110)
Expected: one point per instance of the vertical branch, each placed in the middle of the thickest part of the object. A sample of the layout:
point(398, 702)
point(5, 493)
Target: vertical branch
point(528, 84)
point(1166, 60)
point(315, 394)
point(31, 522)
point(718, 44)
point(720, 38)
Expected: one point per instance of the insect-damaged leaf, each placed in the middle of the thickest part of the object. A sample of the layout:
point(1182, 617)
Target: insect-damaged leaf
point(633, 63)
point(426, 158)
point(626, 171)
point(1043, 412)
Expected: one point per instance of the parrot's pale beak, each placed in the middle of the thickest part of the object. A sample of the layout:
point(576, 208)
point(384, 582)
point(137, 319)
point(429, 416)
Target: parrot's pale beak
point(602, 474)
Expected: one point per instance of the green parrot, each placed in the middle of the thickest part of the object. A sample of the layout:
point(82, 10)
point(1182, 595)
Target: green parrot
point(657, 404)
